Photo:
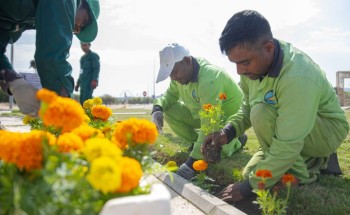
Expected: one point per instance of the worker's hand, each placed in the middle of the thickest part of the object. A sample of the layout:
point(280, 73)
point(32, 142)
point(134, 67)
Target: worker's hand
point(236, 192)
point(94, 84)
point(217, 139)
point(157, 118)
point(24, 94)
point(76, 88)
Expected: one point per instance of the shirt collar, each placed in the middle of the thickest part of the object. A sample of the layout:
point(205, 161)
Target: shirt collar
point(276, 66)
point(194, 77)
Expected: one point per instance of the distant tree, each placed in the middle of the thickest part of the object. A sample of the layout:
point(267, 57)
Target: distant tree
point(108, 99)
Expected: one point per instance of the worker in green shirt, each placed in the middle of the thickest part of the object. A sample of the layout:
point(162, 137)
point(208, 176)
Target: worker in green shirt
point(89, 73)
point(55, 23)
point(194, 83)
point(289, 102)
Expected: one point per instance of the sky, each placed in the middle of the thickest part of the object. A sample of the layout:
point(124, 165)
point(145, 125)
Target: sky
point(132, 32)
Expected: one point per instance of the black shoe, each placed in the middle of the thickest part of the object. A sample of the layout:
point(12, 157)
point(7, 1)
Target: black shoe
point(333, 167)
point(243, 139)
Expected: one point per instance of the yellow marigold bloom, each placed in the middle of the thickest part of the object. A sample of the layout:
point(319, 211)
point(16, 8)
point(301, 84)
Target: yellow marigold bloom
point(172, 166)
point(222, 96)
point(135, 131)
point(27, 119)
point(101, 112)
point(97, 101)
point(86, 118)
point(88, 104)
point(131, 174)
point(207, 107)
point(46, 95)
point(98, 147)
point(200, 165)
point(84, 131)
point(63, 113)
point(69, 142)
point(104, 175)
point(22, 149)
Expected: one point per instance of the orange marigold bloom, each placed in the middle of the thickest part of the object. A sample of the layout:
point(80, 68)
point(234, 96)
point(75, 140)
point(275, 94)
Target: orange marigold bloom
point(207, 107)
point(84, 131)
point(263, 173)
point(46, 95)
point(135, 131)
point(22, 149)
point(63, 113)
point(289, 179)
point(222, 96)
point(69, 142)
point(200, 165)
point(101, 112)
point(131, 174)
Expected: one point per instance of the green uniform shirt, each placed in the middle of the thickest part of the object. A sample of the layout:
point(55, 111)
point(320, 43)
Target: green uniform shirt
point(89, 68)
point(299, 93)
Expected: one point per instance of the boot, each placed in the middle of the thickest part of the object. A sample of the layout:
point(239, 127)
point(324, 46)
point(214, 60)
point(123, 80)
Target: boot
point(333, 167)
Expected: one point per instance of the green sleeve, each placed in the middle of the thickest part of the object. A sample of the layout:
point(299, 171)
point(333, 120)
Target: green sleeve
point(170, 97)
point(95, 62)
point(298, 100)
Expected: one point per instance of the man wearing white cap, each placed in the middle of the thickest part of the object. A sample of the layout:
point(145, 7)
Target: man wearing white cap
point(194, 82)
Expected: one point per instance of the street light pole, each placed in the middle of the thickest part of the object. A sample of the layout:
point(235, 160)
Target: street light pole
point(154, 77)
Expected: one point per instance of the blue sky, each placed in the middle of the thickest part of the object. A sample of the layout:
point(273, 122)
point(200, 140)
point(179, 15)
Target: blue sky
point(131, 33)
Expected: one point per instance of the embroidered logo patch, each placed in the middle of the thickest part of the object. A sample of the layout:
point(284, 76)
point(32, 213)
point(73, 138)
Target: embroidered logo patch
point(194, 96)
point(270, 98)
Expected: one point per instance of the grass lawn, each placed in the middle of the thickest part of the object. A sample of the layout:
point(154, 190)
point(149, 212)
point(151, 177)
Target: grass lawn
point(328, 196)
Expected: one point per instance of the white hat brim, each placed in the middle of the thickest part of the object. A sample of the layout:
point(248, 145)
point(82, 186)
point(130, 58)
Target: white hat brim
point(164, 71)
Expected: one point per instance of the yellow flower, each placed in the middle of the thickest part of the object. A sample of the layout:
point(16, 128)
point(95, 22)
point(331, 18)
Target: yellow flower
point(98, 147)
point(84, 131)
point(172, 166)
point(97, 101)
point(105, 174)
point(88, 104)
point(200, 165)
point(27, 119)
point(131, 174)
point(69, 142)
point(63, 113)
point(101, 112)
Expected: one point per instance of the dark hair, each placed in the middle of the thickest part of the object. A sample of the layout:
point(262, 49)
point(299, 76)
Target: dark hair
point(246, 28)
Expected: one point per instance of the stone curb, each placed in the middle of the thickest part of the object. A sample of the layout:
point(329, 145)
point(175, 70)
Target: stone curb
point(206, 202)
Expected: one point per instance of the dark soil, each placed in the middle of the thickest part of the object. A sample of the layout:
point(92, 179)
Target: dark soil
point(247, 206)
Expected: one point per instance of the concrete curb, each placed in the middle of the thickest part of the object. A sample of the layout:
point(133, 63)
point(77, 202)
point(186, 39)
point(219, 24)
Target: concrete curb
point(206, 202)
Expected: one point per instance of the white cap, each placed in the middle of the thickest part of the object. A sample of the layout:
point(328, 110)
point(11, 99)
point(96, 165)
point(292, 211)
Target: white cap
point(170, 55)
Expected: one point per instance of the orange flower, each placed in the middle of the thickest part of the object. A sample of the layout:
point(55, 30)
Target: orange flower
point(46, 95)
point(200, 165)
point(289, 179)
point(84, 131)
point(101, 112)
point(68, 142)
point(131, 174)
point(263, 173)
point(207, 107)
point(222, 96)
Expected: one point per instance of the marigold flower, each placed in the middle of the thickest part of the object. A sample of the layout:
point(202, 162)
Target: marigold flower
point(27, 119)
point(172, 166)
point(200, 165)
point(207, 107)
point(222, 96)
point(88, 104)
point(84, 131)
point(69, 142)
point(63, 113)
point(131, 174)
point(105, 174)
point(46, 95)
point(289, 179)
point(101, 112)
point(98, 147)
point(263, 173)
point(97, 101)
point(135, 131)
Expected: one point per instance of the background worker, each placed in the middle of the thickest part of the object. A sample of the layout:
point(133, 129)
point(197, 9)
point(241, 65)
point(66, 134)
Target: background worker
point(289, 102)
point(89, 73)
point(55, 22)
point(194, 82)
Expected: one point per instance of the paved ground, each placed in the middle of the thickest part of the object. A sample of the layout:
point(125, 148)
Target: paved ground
point(186, 199)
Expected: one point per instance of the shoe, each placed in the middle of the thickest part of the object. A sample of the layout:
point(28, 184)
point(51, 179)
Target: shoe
point(243, 140)
point(333, 167)
point(185, 172)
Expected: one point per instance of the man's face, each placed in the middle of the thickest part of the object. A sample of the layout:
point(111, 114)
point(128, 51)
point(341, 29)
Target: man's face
point(82, 17)
point(85, 47)
point(250, 62)
point(182, 71)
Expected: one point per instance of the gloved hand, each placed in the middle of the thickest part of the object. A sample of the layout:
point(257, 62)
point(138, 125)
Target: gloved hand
point(24, 94)
point(94, 84)
point(76, 88)
point(217, 139)
point(236, 192)
point(157, 118)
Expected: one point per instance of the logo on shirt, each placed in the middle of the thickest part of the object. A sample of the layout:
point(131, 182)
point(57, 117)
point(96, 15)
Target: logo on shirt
point(270, 98)
point(194, 96)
